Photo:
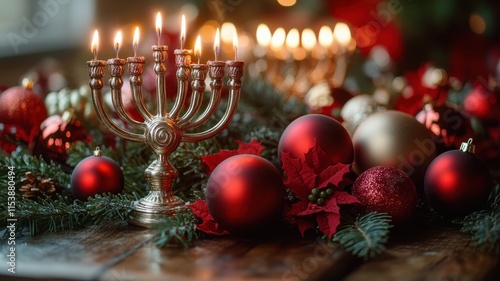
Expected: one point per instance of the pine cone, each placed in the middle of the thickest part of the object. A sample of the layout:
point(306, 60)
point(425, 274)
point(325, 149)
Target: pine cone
point(32, 187)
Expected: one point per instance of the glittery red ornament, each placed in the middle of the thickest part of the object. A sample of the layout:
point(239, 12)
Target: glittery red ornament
point(457, 182)
point(448, 126)
point(22, 109)
point(308, 130)
point(245, 193)
point(386, 189)
point(56, 135)
point(96, 174)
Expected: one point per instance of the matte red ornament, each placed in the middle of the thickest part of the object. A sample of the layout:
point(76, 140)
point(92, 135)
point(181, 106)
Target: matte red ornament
point(56, 135)
point(22, 109)
point(448, 126)
point(457, 182)
point(386, 189)
point(308, 130)
point(96, 174)
point(245, 193)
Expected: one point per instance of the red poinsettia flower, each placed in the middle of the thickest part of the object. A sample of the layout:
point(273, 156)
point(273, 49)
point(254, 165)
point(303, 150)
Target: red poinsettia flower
point(200, 208)
point(313, 171)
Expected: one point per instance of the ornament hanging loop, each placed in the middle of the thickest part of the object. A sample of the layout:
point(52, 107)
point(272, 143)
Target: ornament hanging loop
point(468, 146)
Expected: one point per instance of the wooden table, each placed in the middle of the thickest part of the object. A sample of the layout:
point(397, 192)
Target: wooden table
point(118, 251)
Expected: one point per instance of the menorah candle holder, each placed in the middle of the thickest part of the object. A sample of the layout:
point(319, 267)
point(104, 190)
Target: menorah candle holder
point(164, 131)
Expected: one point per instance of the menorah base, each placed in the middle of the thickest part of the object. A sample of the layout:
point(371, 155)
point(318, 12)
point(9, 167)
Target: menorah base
point(151, 210)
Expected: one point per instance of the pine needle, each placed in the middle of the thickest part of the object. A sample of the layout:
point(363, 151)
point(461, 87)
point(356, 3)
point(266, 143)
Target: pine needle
point(367, 236)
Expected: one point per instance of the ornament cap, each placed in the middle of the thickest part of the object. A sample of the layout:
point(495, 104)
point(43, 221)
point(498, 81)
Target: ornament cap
point(468, 146)
point(97, 151)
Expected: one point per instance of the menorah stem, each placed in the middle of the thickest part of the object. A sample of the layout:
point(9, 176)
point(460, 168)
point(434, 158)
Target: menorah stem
point(182, 60)
point(160, 56)
point(235, 73)
point(96, 72)
point(216, 72)
point(198, 74)
point(116, 70)
point(136, 68)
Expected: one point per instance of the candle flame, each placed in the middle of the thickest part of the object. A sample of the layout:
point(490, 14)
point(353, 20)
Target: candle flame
point(263, 35)
point(197, 48)
point(118, 42)
point(217, 43)
point(325, 36)
point(95, 44)
point(183, 31)
point(158, 26)
point(292, 39)
point(308, 39)
point(342, 34)
point(278, 39)
point(235, 44)
point(226, 32)
point(135, 42)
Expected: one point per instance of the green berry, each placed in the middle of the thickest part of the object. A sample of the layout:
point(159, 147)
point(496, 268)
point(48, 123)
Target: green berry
point(311, 198)
point(322, 194)
point(314, 191)
point(329, 191)
point(320, 201)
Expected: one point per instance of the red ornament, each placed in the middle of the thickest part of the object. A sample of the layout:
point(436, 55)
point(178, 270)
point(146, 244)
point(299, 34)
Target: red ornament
point(387, 189)
point(56, 135)
point(96, 175)
point(308, 130)
point(457, 182)
point(22, 109)
point(448, 126)
point(483, 103)
point(245, 193)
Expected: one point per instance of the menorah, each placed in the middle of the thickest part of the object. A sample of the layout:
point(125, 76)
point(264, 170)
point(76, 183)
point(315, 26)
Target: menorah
point(164, 131)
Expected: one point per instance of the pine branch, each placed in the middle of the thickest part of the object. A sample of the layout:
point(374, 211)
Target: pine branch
point(49, 215)
point(484, 225)
point(110, 207)
point(367, 236)
point(178, 230)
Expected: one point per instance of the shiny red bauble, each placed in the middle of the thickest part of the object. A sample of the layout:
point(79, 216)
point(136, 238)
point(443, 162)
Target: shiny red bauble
point(56, 135)
point(386, 189)
point(457, 183)
point(308, 130)
point(22, 109)
point(483, 103)
point(245, 193)
point(96, 174)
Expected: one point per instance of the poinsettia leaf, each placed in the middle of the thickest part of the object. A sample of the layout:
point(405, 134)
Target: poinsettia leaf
point(212, 160)
point(297, 208)
point(339, 175)
point(300, 178)
point(344, 198)
point(328, 223)
point(331, 205)
point(303, 225)
point(316, 158)
point(311, 209)
point(208, 225)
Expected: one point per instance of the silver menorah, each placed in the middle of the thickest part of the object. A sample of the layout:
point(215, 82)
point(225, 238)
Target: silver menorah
point(164, 131)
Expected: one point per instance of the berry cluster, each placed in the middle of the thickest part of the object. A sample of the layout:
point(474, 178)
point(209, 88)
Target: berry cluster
point(318, 196)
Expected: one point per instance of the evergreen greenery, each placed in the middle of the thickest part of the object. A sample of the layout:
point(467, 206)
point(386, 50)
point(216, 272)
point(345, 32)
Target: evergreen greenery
point(366, 236)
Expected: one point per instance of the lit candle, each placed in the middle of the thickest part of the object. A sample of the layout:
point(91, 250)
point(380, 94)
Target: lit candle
point(292, 40)
point(217, 43)
point(95, 43)
point(235, 45)
point(135, 42)
point(308, 39)
point(263, 35)
point(118, 42)
point(183, 31)
point(325, 37)
point(197, 48)
point(342, 34)
point(158, 27)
